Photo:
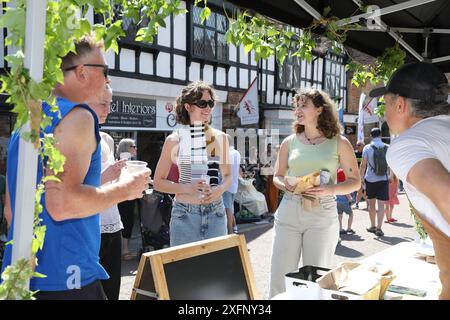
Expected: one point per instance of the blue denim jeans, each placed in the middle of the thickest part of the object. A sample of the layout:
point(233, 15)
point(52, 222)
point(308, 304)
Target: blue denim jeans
point(195, 222)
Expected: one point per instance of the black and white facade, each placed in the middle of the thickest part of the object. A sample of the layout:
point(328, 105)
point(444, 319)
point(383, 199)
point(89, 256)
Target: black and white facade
point(147, 78)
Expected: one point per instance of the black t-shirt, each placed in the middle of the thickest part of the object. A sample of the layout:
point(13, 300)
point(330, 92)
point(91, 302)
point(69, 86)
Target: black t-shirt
point(358, 156)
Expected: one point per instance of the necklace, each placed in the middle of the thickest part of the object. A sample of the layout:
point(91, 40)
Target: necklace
point(312, 139)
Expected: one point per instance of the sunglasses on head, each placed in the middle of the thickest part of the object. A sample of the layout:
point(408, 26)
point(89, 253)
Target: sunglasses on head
point(104, 66)
point(202, 104)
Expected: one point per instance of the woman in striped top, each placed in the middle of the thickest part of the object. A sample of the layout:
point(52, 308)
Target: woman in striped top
point(201, 153)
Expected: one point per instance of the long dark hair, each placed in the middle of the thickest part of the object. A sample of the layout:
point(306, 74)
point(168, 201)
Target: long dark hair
point(327, 123)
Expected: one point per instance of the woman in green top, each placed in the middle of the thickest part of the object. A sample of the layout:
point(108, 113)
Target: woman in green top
point(311, 231)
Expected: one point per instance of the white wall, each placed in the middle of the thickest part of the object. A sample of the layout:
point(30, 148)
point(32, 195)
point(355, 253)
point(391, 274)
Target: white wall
point(127, 60)
point(110, 57)
point(164, 34)
point(146, 63)
point(163, 65)
point(179, 67)
point(221, 76)
point(232, 79)
point(208, 74)
point(179, 24)
point(194, 71)
point(243, 78)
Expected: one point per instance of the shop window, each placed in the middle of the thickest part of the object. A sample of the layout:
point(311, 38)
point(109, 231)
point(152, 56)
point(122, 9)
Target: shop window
point(208, 39)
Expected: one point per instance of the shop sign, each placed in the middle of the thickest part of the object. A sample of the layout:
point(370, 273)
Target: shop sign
point(132, 112)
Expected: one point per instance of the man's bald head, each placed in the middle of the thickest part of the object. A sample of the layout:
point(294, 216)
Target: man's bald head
point(101, 107)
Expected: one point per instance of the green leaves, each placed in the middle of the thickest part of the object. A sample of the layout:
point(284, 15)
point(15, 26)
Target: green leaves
point(381, 71)
point(205, 14)
point(15, 278)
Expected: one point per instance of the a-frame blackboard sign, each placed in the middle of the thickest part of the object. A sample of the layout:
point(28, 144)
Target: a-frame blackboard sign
point(213, 269)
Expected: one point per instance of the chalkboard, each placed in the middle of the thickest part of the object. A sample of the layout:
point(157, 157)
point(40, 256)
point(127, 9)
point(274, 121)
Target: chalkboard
point(214, 269)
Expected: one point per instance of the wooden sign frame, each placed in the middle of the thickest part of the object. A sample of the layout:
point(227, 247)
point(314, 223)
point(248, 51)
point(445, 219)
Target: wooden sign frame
point(156, 288)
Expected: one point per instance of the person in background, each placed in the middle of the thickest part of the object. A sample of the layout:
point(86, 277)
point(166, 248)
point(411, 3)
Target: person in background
point(310, 232)
point(376, 181)
point(110, 223)
point(393, 199)
point(418, 111)
point(362, 191)
point(127, 150)
point(228, 196)
point(202, 155)
point(344, 205)
point(267, 170)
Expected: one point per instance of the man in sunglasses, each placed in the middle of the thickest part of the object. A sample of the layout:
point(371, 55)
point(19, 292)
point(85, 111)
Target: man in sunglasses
point(70, 256)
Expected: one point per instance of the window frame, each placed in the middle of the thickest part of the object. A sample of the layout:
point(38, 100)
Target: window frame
point(205, 27)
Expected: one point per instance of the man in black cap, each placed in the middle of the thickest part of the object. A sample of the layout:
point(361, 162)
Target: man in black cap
point(373, 171)
point(418, 110)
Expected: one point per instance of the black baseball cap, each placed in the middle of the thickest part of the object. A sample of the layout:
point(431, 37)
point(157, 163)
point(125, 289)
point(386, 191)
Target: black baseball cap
point(419, 80)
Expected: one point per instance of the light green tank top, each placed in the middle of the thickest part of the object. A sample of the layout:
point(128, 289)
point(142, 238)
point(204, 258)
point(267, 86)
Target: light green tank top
point(305, 159)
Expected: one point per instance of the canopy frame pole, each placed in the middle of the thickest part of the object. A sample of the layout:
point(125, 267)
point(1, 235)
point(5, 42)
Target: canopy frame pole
point(313, 12)
point(394, 35)
point(383, 11)
point(28, 155)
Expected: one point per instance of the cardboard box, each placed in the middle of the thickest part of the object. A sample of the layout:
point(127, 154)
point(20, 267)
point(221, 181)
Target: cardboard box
point(365, 280)
point(302, 285)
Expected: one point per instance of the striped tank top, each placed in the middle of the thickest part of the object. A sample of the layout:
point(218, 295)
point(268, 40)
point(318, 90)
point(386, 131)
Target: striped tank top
point(193, 159)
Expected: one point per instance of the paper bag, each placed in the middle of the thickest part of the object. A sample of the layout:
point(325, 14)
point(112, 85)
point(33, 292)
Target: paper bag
point(306, 182)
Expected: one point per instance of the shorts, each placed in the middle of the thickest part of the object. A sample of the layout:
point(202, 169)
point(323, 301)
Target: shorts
point(377, 190)
point(228, 200)
point(344, 207)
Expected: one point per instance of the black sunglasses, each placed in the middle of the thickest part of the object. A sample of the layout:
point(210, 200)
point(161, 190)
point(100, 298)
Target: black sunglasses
point(202, 104)
point(104, 66)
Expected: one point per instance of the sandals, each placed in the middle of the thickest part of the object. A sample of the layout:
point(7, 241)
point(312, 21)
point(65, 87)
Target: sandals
point(371, 229)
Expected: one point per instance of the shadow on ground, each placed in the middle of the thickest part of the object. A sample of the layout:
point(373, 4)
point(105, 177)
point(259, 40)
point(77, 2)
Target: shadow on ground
point(343, 251)
point(253, 234)
point(390, 240)
point(401, 225)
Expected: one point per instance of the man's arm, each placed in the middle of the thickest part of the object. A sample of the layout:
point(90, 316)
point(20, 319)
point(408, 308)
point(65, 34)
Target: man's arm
point(431, 178)
point(70, 198)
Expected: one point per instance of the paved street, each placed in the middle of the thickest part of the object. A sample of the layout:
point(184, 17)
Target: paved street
point(352, 247)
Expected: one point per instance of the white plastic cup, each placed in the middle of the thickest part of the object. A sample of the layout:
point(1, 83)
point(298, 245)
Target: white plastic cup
point(135, 166)
point(205, 178)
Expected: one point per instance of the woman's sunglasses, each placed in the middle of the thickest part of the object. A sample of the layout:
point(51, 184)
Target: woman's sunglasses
point(202, 104)
point(104, 66)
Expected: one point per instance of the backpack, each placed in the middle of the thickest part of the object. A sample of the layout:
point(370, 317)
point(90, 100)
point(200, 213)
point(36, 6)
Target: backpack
point(379, 159)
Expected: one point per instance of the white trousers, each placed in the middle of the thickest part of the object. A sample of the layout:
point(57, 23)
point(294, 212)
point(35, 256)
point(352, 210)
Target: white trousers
point(312, 234)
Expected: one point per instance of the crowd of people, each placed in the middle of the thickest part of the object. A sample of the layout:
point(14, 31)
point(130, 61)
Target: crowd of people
point(89, 214)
